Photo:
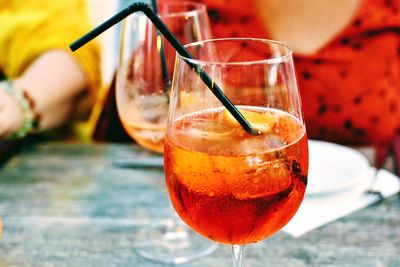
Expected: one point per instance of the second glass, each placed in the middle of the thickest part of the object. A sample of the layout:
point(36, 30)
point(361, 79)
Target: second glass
point(142, 94)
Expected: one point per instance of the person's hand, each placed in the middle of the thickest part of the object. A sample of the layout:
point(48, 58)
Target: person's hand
point(11, 114)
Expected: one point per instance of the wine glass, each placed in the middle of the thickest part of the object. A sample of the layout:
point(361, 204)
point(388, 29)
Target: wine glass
point(142, 96)
point(228, 185)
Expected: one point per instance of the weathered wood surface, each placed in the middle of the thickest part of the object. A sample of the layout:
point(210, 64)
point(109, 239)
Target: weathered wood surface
point(66, 205)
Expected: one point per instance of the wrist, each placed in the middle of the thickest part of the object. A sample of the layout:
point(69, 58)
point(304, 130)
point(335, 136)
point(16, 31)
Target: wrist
point(29, 121)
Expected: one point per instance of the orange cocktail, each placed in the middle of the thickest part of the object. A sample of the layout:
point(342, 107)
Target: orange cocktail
point(233, 187)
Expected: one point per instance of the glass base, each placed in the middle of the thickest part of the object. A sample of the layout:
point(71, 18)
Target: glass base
point(172, 242)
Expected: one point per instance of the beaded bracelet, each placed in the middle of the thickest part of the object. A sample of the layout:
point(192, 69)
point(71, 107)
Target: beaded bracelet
point(27, 104)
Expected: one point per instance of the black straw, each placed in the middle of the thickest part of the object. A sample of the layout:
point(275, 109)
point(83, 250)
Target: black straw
point(146, 9)
point(164, 69)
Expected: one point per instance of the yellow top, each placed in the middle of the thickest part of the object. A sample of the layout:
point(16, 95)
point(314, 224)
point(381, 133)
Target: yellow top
point(32, 27)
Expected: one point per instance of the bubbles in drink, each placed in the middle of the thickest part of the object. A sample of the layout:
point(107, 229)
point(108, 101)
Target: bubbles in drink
point(145, 119)
point(217, 132)
point(153, 108)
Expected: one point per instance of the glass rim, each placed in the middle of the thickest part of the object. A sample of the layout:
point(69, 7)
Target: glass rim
point(197, 8)
point(279, 59)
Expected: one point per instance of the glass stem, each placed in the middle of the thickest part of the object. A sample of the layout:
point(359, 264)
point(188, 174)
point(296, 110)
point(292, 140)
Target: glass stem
point(237, 255)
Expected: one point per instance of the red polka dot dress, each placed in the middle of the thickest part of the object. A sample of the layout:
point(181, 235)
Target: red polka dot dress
point(351, 87)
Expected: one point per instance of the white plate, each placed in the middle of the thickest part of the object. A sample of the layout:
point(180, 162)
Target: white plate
point(334, 168)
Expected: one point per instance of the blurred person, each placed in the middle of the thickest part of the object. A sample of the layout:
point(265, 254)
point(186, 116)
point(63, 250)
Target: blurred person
point(347, 55)
point(44, 85)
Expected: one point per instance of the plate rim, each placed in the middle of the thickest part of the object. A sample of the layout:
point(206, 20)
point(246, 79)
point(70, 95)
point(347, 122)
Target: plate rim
point(355, 180)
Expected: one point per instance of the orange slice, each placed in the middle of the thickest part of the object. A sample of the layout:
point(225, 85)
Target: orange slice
point(262, 122)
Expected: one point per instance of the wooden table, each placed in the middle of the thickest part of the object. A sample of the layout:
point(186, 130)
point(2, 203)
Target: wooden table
point(67, 205)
